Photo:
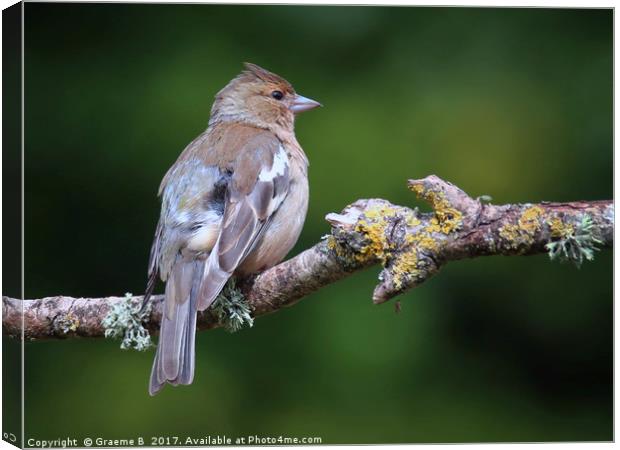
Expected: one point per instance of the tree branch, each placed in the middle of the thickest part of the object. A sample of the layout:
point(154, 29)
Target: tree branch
point(411, 247)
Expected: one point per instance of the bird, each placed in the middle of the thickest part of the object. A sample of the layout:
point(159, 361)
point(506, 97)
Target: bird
point(233, 204)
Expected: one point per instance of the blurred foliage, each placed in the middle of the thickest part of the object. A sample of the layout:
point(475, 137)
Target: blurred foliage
point(514, 103)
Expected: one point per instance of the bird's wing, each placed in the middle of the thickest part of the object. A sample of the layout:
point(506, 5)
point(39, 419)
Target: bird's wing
point(259, 184)
point(186, 206)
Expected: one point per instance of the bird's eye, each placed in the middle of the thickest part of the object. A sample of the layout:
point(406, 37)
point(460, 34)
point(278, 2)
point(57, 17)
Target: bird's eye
point(278, 95)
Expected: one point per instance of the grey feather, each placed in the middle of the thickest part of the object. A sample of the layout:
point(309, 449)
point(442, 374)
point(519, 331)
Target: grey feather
point(214, 279)
point(174, 360)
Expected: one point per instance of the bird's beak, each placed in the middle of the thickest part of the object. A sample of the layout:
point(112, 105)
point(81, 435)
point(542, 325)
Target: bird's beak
point(301, 104)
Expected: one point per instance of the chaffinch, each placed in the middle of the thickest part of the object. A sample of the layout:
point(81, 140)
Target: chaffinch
point(234, 203)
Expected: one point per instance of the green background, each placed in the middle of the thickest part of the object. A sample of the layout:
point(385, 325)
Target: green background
point(513, 103)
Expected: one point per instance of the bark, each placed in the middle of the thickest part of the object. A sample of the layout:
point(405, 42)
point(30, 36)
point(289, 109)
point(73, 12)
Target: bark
point(411, 247)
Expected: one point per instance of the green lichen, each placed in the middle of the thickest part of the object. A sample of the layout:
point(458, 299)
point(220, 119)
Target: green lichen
point(572, 241)
point(125, 321)
point(232, 309)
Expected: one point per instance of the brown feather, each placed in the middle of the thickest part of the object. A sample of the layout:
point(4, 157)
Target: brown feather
point(252, 70)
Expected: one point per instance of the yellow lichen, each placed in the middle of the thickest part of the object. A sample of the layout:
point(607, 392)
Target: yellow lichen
point(530, 219)
point(509, 232)
point(380, 212)
point(405, 264)
point(418, 189)
point(75, 322)
point(522, 233)
point(404, 261)
point(560, 229)
point(68, 323)
point(331, 243)
point(339, 250)
point(423, 240)
point(373, 227)
point(412, 221)
point(447, 218)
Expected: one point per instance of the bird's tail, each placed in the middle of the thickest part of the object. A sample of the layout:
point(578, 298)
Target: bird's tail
point(174, 360)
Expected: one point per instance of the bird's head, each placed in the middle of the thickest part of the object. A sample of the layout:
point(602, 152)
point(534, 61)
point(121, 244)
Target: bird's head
point(261, 98)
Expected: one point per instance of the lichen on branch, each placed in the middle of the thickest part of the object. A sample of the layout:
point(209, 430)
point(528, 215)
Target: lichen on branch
point(411, 246)
point(125, 321)
point(574, 240)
